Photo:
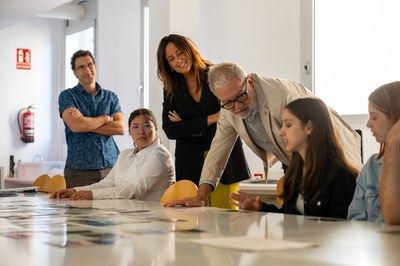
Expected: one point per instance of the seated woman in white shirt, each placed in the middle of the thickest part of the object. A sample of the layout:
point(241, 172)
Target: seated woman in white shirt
point(143, 172)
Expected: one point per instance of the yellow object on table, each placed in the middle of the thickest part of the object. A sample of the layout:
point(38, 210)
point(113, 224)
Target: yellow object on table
point(50, 185)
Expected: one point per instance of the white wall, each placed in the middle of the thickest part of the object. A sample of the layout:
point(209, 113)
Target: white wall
point(21, 88)
point(118, 58)
point(247, 32)
point(370, 146)
point(117, 52)
point(262, 35)
point(118, 55)
point(159, 27)
point(244, 31)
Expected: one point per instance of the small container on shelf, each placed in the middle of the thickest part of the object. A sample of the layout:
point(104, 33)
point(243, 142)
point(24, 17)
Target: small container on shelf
point(12, 166)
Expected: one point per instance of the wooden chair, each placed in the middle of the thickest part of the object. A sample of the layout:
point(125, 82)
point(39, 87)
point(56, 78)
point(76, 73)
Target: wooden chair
point(40, 181)
point(179, 190)
point(360, 132)
point(279, 190)
point(50, 185)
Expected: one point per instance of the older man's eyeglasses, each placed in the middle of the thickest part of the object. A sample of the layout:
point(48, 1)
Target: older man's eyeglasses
point(81, 68)
point(241, 98)
point(146, 127)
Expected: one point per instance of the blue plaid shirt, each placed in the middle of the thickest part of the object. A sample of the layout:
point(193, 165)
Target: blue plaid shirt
point(88, 151)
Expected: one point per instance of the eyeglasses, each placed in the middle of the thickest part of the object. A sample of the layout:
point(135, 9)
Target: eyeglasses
point(241, 98)
point(146, 127)
point(83, 67)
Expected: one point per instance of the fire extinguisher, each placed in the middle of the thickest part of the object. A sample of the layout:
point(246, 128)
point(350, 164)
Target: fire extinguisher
point(28, 120)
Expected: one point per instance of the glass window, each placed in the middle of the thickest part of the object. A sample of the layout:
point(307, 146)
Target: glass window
point(356, 50)
point(146, 54)
point(81, 40)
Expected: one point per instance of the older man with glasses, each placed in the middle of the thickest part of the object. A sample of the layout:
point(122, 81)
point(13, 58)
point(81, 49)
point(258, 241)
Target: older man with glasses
point(252, 108)
point(92, 115)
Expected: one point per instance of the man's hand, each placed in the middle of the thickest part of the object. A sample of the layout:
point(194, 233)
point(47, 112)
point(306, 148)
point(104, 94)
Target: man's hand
point(103, 124)
point(188, 202)
point(74, 112)
point(198, 201)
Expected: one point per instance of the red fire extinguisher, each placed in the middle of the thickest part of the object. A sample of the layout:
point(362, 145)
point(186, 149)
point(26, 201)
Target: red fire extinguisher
point(28, 120)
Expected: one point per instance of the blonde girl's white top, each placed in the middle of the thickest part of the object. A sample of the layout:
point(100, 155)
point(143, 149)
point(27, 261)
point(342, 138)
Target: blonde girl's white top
point(143, 176)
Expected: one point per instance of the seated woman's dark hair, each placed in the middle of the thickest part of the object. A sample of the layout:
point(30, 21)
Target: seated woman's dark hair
point(143, 111)
point(323, 150)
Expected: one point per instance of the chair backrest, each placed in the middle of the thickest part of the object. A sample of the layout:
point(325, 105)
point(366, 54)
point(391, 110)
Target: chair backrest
point(279, 190)
point(40, 181)
point(360, 132)
point(179, 190)
point(50, 185)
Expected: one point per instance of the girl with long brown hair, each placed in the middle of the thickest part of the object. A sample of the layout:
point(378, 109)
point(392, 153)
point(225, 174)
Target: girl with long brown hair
point(319, 181)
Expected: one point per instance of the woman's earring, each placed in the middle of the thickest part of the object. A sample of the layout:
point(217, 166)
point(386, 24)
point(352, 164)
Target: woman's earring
point(172, 70)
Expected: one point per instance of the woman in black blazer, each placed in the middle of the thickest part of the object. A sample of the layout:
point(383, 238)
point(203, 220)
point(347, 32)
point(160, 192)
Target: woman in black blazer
point(190, 114)
point(319, 181)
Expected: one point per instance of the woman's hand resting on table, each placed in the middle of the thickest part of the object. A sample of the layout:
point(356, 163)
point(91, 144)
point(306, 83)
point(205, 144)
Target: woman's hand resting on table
point(72, 194)
point(245, 201)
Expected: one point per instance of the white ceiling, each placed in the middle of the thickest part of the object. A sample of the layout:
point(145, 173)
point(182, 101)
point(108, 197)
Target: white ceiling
point(14, 11)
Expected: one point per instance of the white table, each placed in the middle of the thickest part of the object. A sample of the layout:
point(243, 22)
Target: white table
point(148, 234)
point(266, 190)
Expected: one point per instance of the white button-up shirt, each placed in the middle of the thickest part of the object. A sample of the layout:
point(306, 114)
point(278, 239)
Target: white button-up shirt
point(143, 176)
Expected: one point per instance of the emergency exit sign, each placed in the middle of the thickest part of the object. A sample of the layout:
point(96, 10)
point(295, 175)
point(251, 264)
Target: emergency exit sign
point(23, 58)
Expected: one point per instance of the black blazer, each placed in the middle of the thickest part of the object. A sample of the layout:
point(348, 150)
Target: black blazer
point(193, 136)
point(334, 200)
